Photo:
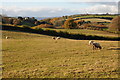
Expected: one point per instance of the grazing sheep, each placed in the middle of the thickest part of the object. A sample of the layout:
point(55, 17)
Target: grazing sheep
point(57, 38)
point(7, 37)
point(90, 42)
point(53, 38)
point(95, 45)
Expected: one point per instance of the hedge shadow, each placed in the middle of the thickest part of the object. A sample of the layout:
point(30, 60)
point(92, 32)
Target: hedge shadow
point(60, 33)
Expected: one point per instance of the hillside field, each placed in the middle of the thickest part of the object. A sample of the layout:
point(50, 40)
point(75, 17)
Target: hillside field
point(97, 20)
point(86, 32)
point(28, 55)
point(99, 16)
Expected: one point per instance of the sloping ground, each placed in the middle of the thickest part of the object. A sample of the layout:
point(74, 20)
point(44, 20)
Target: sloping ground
point(55, 32)
point(97, 20)
point(27, 55)
point(95, 16)
point(87, 32)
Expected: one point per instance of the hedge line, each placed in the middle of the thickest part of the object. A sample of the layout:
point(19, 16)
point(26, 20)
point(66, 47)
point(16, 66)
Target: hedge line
point(61, 33)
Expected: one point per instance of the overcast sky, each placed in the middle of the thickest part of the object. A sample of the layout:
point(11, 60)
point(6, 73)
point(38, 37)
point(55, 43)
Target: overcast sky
point(52, 8)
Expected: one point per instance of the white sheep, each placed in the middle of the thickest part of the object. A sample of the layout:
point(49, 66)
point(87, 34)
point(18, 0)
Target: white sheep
point(53, 38)
point(57, 38)
point(7, 37)
point(95, 45)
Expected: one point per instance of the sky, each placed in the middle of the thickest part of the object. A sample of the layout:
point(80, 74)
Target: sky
point(54, 8)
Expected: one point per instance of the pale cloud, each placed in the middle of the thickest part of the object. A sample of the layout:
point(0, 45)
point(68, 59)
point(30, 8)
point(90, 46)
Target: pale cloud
point(49, 11)
point(34, 0)
point(59, 0)
point(102, 9)
point(37, 12)
point(94, 0)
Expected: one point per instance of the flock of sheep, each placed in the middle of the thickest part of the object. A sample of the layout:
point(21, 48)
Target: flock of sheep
point(95, 45)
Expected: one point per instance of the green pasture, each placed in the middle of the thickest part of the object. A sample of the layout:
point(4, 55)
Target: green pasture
point(27, 55)
point(86, 16)
point(97, 20)
point(86, 32)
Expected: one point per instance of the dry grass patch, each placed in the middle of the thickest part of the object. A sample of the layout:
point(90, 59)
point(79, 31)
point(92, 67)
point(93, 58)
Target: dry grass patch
point(38, 56)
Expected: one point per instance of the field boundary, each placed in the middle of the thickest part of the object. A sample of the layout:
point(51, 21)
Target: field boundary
point(60, 33)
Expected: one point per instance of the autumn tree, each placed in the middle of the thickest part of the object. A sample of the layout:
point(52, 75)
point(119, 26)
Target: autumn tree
point(44, 26)
point(115, 24)
point(7, 20)
point(57, 22)
point(70, 24)
point(53, 21)
point(16, 22)
point(46, 20)
point(80, 22)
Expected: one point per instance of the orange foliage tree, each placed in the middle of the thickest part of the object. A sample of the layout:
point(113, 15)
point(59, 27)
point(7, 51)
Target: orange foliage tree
point(54, 20)
point(44, 26)
point(70, 24)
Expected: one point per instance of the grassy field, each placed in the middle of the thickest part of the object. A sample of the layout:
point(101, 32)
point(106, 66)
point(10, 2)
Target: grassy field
point(112, 16)
point(27, 55)
point(97, 20)
point(86, 32)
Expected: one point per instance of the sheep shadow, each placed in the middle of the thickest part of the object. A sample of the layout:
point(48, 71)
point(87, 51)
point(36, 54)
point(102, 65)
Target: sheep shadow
point(113, 48)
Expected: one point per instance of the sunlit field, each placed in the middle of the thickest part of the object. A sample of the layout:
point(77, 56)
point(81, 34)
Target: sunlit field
point(97, 20)
point(27, 55)
point(86, 32)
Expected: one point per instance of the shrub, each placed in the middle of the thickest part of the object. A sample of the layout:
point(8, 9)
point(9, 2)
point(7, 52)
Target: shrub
point(25, 26)
point(80, 22)
point(16, 22)
point(86, 25)
point(45, 26)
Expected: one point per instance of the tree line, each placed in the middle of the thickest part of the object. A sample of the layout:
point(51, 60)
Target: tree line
point(68, 22)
